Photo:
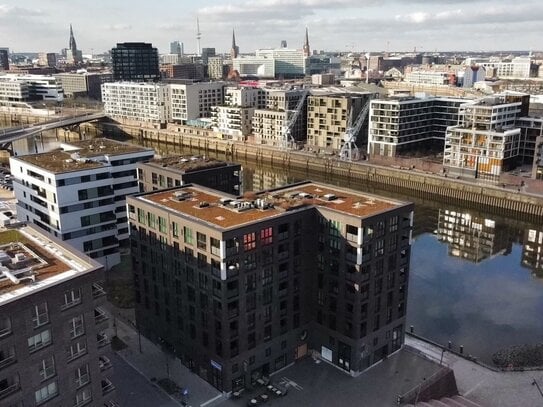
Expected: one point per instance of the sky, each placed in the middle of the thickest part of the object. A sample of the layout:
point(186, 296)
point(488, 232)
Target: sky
point(335, 25)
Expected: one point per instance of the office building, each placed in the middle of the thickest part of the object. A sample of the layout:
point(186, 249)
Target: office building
point(170, 59)
point(194, 101)
point(54, 342)
point(216, 69)
point(77, 193)
point(135, 61)
point(486, 141)
point(168, 172)
point(261, 66)
point(13, 91)
point(239, 288)
point(83, 83)
point(132, 102)
point(430, 77)
point(40, 87)
point(328, 118)
point(206, 54)
point(176, 48)
point(189, 70)
point(403, 125)
point(288, 63)
point(47, 59)
point(4, 59)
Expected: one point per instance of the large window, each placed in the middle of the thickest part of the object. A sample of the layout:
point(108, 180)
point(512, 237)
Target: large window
point(39, 341)
point(47, 368)
point(249, 241)
point(82, 376)
point(71, 298)
point(40, 316)
point(266, 236)
point(46, 392)
point(201, 241)
point(187, 235)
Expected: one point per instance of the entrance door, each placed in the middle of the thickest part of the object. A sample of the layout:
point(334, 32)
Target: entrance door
point(344, 356)
point(300, 351)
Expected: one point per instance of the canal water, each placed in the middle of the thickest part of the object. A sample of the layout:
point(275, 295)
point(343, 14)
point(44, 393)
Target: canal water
point(476, 278)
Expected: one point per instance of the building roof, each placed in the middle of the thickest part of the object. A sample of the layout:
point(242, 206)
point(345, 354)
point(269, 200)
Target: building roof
point(227, 212)
point(58, 161)
point(35, 262)
point(103, 146)
point(187, 164)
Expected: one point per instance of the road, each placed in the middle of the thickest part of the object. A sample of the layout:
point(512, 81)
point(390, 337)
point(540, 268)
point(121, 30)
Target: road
point(134, 390)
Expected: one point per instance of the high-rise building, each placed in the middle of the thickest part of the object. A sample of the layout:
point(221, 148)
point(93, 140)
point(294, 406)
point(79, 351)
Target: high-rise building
point(206, 54)
point(283, 44)
point(406, 124)
point(54, 342)
point(47, 59)
point(249, 285)
point(73, 55)
point(77, 194)
point(4, 59)
point(167, 172)
point(135, 61)
point(328, 118)
point(176, 47)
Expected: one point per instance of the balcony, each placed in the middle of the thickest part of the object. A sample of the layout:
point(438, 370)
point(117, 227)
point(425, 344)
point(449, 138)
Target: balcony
point(5, 331)
point(111, 403)
point(6, 390)
point(107, 386)
point(100, 316)
point(102, 340)
point(104, 363)
point(97, 291)
point(8, 361)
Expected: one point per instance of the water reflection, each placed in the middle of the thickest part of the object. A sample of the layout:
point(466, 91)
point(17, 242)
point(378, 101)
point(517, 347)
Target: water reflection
point(532, 253)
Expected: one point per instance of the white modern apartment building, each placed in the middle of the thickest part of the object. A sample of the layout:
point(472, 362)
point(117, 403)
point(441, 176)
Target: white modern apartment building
point(518, 67)
point(245, 97)
point(77, 193)
point(272, 63)
point(40, 87)
point(403, 124)
point(215, 68)
point(428, 77)
point(12, 90)
point(137, 102)
point(233, 122)
point(487, 139)
point(194, 101)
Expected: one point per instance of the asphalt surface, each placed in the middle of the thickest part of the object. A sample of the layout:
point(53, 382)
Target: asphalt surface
point(134, 390)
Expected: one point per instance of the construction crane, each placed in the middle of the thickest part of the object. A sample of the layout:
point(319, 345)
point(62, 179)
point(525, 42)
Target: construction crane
point(349, 150)
point(287, 141)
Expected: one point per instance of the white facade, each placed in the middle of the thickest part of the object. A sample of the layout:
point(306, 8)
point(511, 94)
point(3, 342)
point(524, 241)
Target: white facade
point(78, 194)
point(245, 97)
point(12, 90)
point(288, 62)
point(518, 67)
point(428, 77)
point(234, 122)
point(40, 87)
point(194, 101)
point(268, 126)
point(261, 66)
point(144, 102)
point(471, 75)
point(170, 59)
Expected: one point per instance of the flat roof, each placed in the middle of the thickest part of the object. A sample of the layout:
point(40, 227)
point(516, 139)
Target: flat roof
point(206, 205)
point(104, 146)
point(187, 164)
point(59, 161)
point(37, 261)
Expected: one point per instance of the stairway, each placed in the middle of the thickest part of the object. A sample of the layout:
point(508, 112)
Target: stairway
point(455, 401)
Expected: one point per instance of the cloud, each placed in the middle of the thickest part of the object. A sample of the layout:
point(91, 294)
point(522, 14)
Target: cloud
point(7, 11)
point(119, 27)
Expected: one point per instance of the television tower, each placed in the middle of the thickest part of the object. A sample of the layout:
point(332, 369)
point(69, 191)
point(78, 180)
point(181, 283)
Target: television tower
point(198, 36)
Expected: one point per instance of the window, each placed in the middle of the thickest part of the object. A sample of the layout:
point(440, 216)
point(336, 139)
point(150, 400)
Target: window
point(266, 236)
point(76, 326)
point(201, 241)
point(82, 376)
point(5, 326)
point(47, 368)
point(187, 235)
point(393, 224)
point(249, 241)
point(71, 298)
point(40, 315)
point(162, 226)
point(215, 246)
point(39, 341)
point(175, 229)
point(83, 396)
point(46, 392)
point(75, 350)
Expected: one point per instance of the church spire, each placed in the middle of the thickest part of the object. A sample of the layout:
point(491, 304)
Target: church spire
point(307, 50)
point(234, 51)
point(72, 45)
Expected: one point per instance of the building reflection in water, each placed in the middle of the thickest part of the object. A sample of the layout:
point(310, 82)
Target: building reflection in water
point(260, 179)
point(471, 237)
point(532, 252)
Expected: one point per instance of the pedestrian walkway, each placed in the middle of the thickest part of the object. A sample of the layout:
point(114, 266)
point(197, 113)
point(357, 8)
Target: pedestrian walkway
point(155, 365)
point(483, 385)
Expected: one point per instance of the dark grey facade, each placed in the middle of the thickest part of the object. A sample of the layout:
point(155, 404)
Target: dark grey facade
point(54, 342)
point(171, 172)
point(4, 59)
point(135, 62)
point(240, 302)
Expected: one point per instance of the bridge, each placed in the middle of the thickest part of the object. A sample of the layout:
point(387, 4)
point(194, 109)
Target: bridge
point(9, 135)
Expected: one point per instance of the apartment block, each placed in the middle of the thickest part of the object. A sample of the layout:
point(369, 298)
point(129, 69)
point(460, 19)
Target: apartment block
point(405, 125)
point(54, 342)
point(232, 122)
point(40, 87)
point(216, 68)
point(194, 101)
point(187, 70)
point(245, 97)
point(240, 287)
point(133, 102)
point(77, 193)
point(13, 91)
point(328, 118)
point(486, 141)
point(429, 77)
point(174, 171)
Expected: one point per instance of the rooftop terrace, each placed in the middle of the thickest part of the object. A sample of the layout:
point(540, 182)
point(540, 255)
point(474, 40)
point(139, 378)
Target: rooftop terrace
point(30, 261)
point(209, 206)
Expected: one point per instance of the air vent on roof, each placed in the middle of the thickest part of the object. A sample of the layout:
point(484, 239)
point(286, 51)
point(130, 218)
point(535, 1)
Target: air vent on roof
point(305, 195)
point(329, 197)
point(203, 204)
point(182, 195)
point(225, 201)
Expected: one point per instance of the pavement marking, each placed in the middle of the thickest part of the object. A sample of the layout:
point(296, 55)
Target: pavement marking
point(218, 396)
point(292, 383)
point(467, 393)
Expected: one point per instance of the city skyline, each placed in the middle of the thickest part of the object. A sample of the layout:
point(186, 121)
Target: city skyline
point(336, 25)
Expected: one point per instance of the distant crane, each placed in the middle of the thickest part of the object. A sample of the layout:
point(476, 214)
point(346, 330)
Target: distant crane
point(287, 141)
point(349, 150)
